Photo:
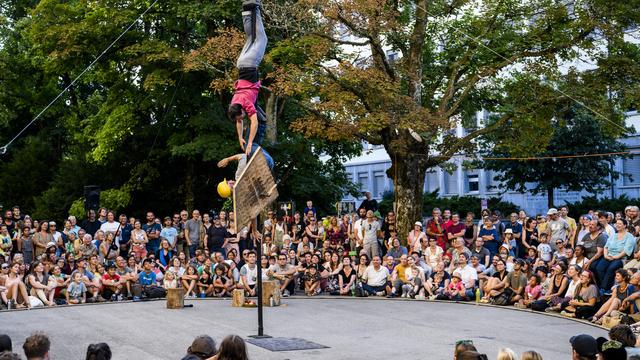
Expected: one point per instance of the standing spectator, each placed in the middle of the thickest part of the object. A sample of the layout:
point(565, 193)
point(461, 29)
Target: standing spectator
point(416, 237)
point(91, 225)
point(388, 224)
point(41, 238)
point(110, 224)
point(192, 232)
point(36, 347)
point(530, 234)
point(516, 230)
point(153, 232)
point(435, 229)
point(17, 215)
point(9, 221)
point(180, 224)
point(371, 230)
point(169, 233)
point(369, 203)
point(470, 230)
point(489, 234)
point(123, 235)
point(573, 227)
point(5, 241)
point(455, 229)
point(217, 237)
point(557, 228)
point(139, 240)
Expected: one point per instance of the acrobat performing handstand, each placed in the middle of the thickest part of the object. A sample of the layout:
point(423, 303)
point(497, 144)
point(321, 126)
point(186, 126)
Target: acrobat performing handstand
point(244, 101)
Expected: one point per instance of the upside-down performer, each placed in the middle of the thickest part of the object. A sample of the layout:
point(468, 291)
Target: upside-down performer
point(244, 101)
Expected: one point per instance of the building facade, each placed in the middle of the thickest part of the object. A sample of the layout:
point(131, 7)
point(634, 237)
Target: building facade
point(369, 170)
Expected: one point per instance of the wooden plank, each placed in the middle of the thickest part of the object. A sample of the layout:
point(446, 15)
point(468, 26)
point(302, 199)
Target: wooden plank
point(253, 191)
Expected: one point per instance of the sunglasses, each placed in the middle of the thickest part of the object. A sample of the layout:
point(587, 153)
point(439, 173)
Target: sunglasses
point(465, 342)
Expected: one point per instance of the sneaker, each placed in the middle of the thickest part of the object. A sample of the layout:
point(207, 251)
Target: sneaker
point(390, 296)
point(119, 297)
point(432, 297)
point(114, 297)
point(567, 314)
point(550, 309)
point(286, 293)
point(136, 298)
point(380, 293)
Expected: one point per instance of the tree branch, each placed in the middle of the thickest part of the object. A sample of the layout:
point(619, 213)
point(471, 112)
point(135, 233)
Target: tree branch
point(460, 143)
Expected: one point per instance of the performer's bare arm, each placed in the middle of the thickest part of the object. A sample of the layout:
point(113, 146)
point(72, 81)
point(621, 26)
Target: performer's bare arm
point(224, 162)
point(253, 129)
point(239, 126)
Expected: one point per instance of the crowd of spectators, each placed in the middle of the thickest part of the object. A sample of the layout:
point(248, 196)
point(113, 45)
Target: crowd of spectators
point(547, 262)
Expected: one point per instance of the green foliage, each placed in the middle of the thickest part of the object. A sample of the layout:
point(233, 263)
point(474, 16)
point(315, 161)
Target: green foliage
point(587, 203)
point(459, 204)
point(574, 134)
point(77, 209)
point(115, 199)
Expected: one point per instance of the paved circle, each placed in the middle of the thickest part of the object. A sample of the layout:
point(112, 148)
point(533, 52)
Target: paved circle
point(351, 328)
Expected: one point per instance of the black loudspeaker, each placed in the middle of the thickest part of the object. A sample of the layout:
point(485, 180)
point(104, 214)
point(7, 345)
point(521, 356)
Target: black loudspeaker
point(91, 197)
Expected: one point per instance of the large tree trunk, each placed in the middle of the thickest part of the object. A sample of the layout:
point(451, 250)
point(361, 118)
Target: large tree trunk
point(550, 197)
point(189, 197)
point(272, 118)
point(408, 174)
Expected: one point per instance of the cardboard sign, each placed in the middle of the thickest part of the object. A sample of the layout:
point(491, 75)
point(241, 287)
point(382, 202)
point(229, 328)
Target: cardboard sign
point(254, 190)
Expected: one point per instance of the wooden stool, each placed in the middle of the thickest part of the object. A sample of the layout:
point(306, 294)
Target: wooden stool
point(238, 298)
point(175, 298)
point(270, 290)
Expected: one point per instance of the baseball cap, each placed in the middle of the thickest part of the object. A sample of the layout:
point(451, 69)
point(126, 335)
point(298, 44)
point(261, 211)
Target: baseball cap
point(51, 244)
point(417, 223)
point(203, 346)
point(552, 211)
point(52, 223)
point(584, 345)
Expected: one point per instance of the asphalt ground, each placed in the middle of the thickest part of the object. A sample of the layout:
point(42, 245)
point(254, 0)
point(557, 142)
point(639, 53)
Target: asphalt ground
point(352, 328)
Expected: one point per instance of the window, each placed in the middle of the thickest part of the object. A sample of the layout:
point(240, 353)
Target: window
point(363, 180)
point(451, 182)
point(631, 167)
point(473, 181)
point(378, 184)
point(433, 182)
point(492, 185)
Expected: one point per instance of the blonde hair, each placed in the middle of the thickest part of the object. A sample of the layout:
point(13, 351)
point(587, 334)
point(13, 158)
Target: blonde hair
point(507, 354)
point(530, 355)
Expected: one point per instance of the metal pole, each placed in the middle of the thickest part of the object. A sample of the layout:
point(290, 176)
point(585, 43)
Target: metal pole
point(260, 321)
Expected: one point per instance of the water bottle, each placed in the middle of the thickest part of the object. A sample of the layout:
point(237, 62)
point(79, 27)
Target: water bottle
point(478, 295)
point(271, 302)
point(353, 292)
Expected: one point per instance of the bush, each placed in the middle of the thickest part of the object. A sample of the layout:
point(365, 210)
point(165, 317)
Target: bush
point(459, 204)
point(579, 208)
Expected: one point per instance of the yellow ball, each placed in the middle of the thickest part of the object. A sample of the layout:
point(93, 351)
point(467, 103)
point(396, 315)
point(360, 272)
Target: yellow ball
point(224, 190)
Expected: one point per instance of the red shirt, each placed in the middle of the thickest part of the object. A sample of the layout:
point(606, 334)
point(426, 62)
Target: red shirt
point(246, 95)
point(106, 277)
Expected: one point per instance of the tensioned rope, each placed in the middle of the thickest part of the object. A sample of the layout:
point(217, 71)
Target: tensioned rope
point(4, 148)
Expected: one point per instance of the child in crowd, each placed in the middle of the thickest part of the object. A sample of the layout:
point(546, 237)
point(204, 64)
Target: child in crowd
point(311, 280)
point(455, 290)
point(532, 254)
point(76, 292)
point(532, 292)
point(221, 282)
point(544, 249)
point(170, 281)
point(205, 283)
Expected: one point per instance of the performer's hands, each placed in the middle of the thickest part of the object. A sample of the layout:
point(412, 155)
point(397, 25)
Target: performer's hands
point(242, 142)
point(223, 163)
point(247, 150)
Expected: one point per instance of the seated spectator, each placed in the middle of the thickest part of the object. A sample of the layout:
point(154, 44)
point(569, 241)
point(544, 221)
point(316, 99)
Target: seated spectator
point(462, 346)
point(147, 277)
point(468, 274)
point(375, 278)
point(202, 347)
point(42, 284)
point(232, 347)
point(584, 347)
point(311, 279)
point(111, 285)
point(284, 273)
point(532, 292)
point(205, 284)
point(16, 288)
point(415, 280)
point(515, 282)
point(438, 282)
point(494, 285)
point(189, 282)
point(455, 290)
point(170, 280)
point(36, 346)
point(222, 283)
point(582, 303)
point(77, 290)
point(5, 343)
point(100, 351)
point(398, 277)
point(626, 337)
point(397, 250)
point(621, 291)
point(530, 355)
point(616, 249)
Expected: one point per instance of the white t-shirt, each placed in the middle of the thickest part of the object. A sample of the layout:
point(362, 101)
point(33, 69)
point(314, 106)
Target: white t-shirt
point(251, 274)
point(113, 227)
point(433, 257)
point(468, 275)
point(375, 277)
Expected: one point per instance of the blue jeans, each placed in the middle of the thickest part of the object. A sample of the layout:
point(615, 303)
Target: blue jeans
point(192, 250)
point(606, 272)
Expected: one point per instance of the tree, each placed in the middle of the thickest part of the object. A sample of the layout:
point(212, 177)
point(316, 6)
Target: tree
point(454, 59)
point(577, 133)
